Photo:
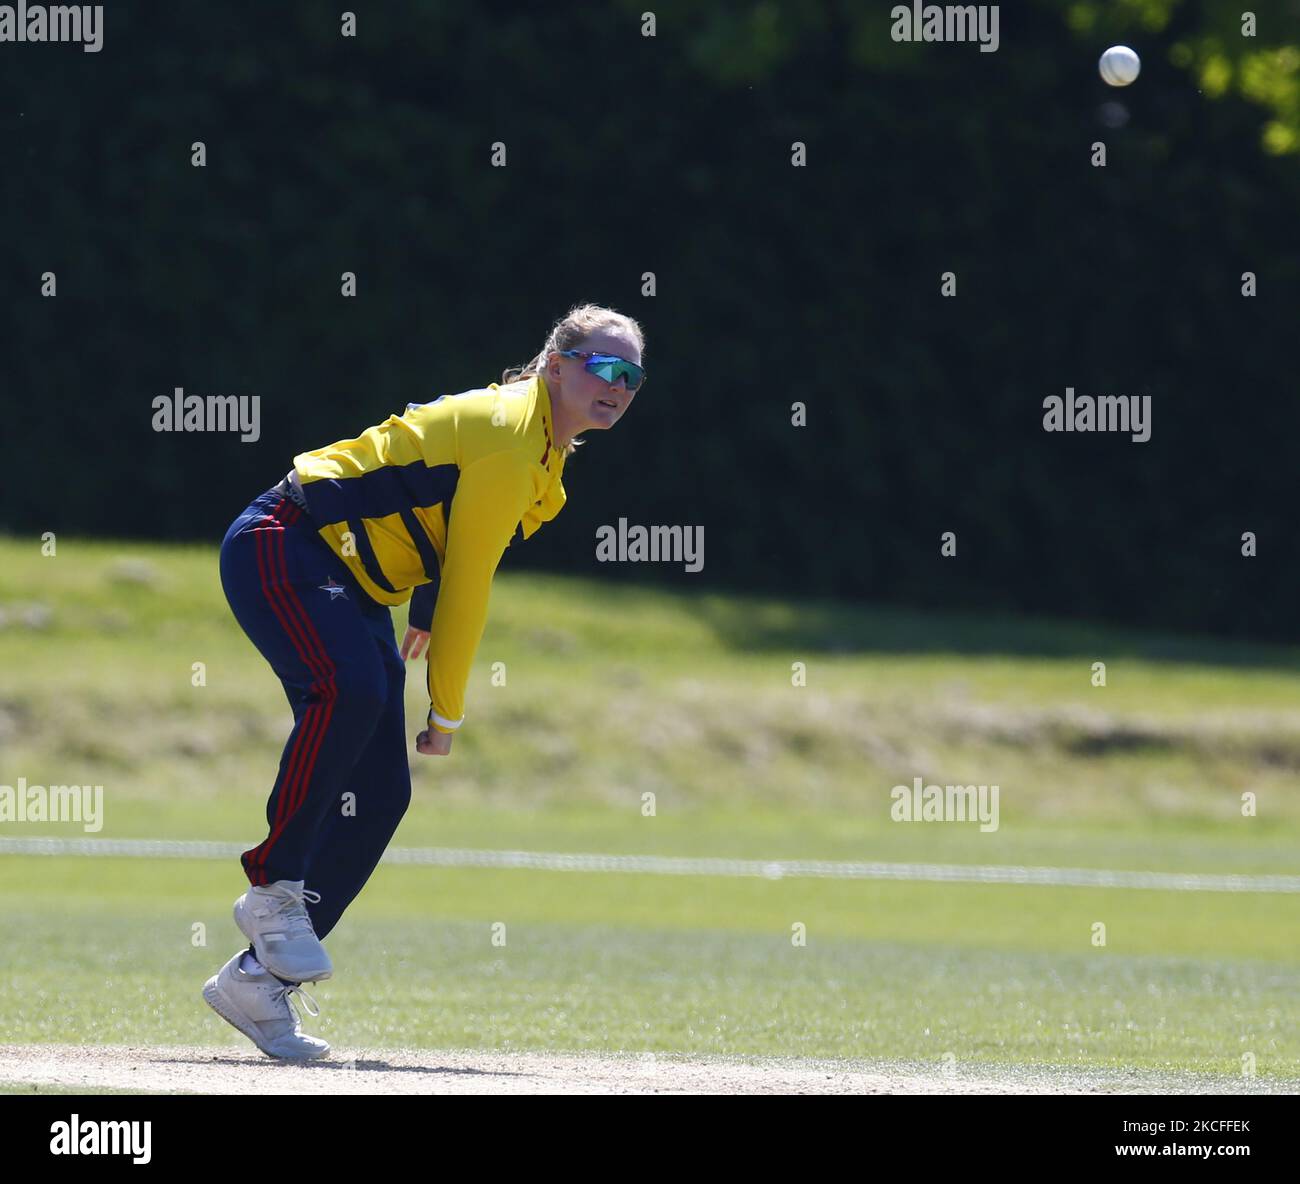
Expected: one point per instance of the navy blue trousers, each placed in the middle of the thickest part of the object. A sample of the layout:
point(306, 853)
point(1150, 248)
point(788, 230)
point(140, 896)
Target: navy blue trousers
point(344, 780)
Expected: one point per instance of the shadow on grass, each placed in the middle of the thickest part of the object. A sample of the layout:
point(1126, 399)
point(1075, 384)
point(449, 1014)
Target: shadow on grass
point(832, 627)
point(339, 1065)
point(751, 624)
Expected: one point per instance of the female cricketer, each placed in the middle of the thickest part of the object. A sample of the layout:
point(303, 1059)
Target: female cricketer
point(419, 508)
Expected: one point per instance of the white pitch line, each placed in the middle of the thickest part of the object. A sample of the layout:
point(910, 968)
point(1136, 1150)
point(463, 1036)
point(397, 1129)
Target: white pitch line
point(665, 865)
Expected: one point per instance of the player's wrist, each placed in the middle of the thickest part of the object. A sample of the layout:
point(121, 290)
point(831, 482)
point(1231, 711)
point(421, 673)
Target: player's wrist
point(439, 723)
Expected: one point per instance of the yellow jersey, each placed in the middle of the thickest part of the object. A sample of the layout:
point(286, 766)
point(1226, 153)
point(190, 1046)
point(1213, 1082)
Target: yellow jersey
point(428, 501)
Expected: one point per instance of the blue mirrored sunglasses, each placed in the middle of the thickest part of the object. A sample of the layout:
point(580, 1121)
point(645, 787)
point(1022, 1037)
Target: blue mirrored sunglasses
point(609, 367)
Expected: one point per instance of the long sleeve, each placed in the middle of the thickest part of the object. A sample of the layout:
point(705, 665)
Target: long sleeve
point(420, 613)
point(492, 495)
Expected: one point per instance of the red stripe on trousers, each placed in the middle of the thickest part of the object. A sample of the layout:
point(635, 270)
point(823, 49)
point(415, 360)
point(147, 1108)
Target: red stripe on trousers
point(311, 718)
point(310, 727)
point(260, 852)
point(315, 719)
point(273, 589)
point(331, 688)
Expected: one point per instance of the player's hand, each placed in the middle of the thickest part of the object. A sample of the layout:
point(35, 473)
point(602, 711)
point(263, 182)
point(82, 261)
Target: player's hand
point(413, 643)
point(431, 742)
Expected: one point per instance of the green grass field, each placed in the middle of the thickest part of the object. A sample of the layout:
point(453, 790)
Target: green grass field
point(624, 693)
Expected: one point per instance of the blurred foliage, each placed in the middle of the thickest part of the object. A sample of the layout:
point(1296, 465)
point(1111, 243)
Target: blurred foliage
point(672, 154)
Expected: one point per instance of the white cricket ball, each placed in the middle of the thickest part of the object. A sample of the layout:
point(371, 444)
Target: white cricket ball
point(1119, 65)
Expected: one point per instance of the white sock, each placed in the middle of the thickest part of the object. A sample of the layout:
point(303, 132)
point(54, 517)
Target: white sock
point(251, 965)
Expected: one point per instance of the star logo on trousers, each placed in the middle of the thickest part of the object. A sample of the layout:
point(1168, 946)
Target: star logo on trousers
point(335, 590)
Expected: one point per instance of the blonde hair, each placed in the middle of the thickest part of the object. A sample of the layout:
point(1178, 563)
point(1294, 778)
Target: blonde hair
point(579, 323)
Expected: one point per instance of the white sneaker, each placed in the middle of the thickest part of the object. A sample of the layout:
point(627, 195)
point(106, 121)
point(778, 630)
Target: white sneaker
point(258, 1005)
point(274, 918)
